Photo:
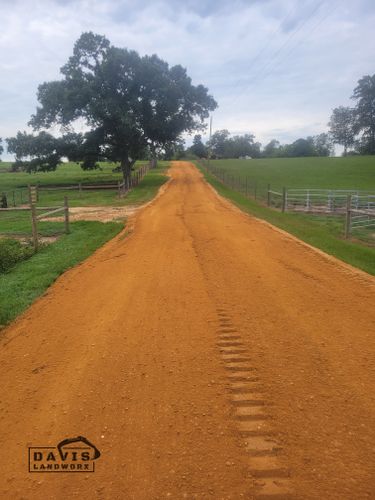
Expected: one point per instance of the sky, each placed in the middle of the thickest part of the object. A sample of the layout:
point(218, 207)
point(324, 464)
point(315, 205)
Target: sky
point(277, 68)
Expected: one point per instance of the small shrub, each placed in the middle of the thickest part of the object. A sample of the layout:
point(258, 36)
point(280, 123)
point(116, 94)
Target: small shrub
point(11, 252)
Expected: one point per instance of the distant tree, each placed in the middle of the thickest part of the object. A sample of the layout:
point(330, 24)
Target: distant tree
point(217, 143)
point(1, 147)
point(42, 150)
point(301, 147)
point(323, 144)
point(130, 104)
point(224, 146)
point(364, 113)
point(342, 127)
point(272, 149)
point(174, 150)
point(179, 149)
point(198, 148)
point(242, 145)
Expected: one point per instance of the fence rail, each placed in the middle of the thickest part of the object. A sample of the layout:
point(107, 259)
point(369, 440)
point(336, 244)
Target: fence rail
point(356, 206)
point(21, 196)
point(34, 219)
point(360, 213)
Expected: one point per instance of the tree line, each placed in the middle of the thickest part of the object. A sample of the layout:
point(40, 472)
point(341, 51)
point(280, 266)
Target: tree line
point(222, 145)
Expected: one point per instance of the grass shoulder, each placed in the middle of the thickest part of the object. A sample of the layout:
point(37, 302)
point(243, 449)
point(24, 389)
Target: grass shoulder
point(29, 279)
point(320, 232)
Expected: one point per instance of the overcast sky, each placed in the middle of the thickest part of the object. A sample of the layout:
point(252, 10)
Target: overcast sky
point(276, 67)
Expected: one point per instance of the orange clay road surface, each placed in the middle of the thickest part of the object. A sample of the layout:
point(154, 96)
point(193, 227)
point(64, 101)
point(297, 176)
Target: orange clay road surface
point(205, 354)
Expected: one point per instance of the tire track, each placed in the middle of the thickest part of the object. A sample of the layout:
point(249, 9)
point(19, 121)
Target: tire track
point(249, 403)
point(250, 416)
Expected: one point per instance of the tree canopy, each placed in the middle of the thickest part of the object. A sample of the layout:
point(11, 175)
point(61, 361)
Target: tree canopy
point(341, 127)
point(198, 148)
point(224, 146)
point(356, 126)
point(128, 103)
point(364, 113)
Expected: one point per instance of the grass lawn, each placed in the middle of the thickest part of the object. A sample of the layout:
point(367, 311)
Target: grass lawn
point(15, 185)
point(351, 172)
point(19, 223)
point(29, 279)
point(322, 232)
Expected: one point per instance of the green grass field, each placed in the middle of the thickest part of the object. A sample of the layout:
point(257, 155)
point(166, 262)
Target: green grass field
point(322, 232)
point(15, 185)
point(351, 172)
point(18, 223)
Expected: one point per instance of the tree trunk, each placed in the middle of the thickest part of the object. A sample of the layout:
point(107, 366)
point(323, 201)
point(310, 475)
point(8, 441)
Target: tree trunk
point(154, 159)
point(126, 169)
point(126, 173)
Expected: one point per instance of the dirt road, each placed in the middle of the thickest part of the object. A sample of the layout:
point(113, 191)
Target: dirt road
point(206, 355)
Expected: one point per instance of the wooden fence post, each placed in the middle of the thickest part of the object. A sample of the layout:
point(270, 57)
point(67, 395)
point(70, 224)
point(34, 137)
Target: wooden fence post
point(348, 219)
point(33, 194)
point(283, 207)
point(66, 215)
point(34, 226)
point(268, 195)
point(4, 201)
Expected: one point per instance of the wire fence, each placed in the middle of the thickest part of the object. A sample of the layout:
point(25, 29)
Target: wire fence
point(355, 206)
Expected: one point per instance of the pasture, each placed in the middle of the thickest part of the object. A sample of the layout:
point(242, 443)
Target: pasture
point(324, 232)
point(15, 184)
point(351, 172)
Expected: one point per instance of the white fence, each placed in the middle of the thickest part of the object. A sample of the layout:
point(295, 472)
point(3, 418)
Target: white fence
point(323, 200)
point(357, 206)
point(360, 213)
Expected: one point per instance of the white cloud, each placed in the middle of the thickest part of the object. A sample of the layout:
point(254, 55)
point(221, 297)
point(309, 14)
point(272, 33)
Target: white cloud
point(276, 68)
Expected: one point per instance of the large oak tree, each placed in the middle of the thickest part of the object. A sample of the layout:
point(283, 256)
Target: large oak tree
point(129, 104)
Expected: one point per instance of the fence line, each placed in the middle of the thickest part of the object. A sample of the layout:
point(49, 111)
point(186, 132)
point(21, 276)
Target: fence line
point(21, 196)
point(359, 218)
point(358, 207)
point(32, 208)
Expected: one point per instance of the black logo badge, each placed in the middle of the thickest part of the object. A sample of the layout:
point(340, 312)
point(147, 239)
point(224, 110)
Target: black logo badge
point(70, 455)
